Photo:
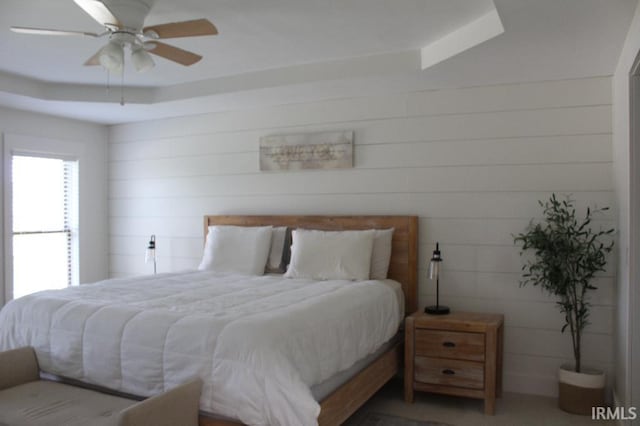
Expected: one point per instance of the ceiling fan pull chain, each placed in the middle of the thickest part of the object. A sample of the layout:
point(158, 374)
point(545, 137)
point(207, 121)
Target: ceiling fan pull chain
point(122, 86)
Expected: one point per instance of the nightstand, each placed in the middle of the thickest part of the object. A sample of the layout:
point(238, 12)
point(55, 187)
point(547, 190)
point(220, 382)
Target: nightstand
point(456, 354)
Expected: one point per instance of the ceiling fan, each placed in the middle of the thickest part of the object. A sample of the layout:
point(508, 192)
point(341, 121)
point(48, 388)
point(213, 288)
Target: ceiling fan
point(123, 21)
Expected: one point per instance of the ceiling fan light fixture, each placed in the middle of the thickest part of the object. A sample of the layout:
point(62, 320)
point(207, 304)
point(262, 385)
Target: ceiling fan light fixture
point(128, 32)
point(141, 59)
point(112, 57)
point(151, 34)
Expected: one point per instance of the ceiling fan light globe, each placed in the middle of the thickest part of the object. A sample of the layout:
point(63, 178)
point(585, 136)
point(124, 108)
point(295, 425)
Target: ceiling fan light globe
point(151, 34)
point(112, 57)
point(142, 60)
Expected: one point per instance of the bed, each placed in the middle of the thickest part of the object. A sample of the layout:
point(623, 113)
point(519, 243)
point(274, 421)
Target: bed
point(79, 340)
point(403, 268)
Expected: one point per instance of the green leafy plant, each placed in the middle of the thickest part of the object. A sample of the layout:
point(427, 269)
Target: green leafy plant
point(567, 255)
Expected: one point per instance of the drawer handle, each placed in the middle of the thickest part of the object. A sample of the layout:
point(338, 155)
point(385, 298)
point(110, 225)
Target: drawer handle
point(448, 344)
point(448, 372)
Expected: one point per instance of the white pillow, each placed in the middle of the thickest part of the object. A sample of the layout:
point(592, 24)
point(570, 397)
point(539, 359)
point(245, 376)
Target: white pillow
point(278, 254)
point(237, 249)
point(331, 255)
point(381, 254)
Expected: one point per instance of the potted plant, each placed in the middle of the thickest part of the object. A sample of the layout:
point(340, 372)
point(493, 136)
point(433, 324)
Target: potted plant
point(567, 255)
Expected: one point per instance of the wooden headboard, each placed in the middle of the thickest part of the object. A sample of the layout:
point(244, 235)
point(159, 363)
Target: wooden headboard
point(404, 254)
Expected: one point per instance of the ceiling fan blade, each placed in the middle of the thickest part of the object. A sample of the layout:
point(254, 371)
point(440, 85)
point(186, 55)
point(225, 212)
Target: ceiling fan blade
point(174, 54)
point(94, 60)
point(47, 31)
point(98, 11)
point(197, 27)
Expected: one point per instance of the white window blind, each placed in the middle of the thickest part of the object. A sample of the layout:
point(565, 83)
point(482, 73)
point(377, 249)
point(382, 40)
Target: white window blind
point(45, 223)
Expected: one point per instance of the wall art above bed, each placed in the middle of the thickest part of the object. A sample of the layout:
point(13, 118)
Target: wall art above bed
point(325, 150)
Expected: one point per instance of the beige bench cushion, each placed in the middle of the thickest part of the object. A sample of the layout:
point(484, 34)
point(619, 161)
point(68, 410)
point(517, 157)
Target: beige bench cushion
point(27, 401)
point(18, 366)
point(49, 403)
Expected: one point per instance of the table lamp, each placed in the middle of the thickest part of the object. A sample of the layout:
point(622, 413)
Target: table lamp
point(434, 273)
point(151, 252)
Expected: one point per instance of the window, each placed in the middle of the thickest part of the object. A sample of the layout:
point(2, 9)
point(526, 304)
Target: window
point(45, 223)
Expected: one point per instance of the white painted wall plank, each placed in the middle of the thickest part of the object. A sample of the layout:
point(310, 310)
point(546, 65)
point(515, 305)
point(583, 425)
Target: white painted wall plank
point(393, 129)
point(497, 206)
point(562, 150)
point(558, 94)
point(351, 109)
point(545, 150)
point(185, 146)
point(492, 125)
point(508, 97)
point(202, 165)
point(563, 178)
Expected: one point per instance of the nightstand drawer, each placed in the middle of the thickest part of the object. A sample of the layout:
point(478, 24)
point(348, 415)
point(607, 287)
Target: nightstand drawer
point(449, 344)
point(449, 372)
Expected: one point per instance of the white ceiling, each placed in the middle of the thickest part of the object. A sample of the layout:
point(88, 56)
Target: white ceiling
point(283, 51)
point(254, 34)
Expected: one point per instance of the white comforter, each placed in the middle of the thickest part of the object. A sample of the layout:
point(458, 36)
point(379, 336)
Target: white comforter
point(258, 343)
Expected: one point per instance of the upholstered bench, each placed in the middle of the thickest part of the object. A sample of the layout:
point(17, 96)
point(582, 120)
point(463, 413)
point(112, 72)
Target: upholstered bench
point(26, 400)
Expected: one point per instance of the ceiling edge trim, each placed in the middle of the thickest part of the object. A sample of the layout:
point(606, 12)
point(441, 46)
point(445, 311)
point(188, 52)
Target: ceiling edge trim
point(366, 66)
point(464, 38)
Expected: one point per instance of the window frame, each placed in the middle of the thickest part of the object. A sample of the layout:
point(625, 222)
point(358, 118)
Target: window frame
point(33, 147)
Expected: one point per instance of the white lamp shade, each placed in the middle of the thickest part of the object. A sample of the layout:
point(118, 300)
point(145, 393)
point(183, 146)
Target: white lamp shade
point(141, 59)
point(112, 57)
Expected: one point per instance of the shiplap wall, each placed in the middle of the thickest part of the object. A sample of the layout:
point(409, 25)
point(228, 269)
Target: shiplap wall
point(471, 162)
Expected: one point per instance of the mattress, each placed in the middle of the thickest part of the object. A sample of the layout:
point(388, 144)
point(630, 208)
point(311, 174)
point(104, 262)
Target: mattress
point(322, 390)
point(258, 343)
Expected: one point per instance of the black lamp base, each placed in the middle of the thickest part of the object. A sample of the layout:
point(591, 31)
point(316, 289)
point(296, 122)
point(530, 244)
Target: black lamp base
point(437, 310)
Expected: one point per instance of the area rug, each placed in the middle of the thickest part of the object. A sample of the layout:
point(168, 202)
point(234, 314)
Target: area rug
point(377, 419)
